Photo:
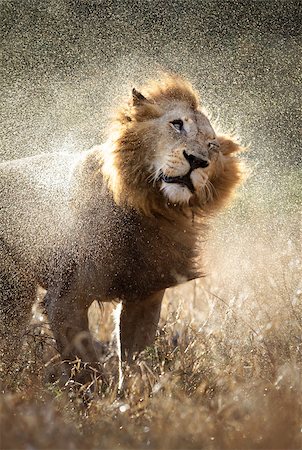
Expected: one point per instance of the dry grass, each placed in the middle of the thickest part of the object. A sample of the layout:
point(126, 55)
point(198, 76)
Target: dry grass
point(225, 372)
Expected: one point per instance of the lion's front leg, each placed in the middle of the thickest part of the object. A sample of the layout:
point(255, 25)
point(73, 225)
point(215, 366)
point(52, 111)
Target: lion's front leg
point(68, 317)
point(137, 327)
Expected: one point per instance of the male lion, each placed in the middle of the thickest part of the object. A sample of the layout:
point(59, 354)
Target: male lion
point(118, 222)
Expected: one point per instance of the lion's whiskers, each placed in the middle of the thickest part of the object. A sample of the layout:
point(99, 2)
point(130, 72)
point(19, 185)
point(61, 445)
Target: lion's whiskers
point(154, 176)
point(212, 188)
point(208, 190)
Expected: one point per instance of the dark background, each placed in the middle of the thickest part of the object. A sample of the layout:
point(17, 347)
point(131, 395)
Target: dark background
point(66, 64)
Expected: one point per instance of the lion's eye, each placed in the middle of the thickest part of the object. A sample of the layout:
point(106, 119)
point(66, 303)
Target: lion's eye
point(213, 145)
point(177, 124)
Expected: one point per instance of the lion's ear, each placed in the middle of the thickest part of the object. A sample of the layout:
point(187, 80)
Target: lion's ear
point(138, 98)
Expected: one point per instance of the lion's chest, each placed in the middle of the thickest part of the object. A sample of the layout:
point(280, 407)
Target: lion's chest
point(131, 258)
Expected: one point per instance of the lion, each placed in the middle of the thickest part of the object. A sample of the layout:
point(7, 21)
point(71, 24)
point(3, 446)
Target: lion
point(119, 222)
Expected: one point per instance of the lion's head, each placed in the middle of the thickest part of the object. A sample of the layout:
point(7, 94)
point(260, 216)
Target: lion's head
point(164, 153)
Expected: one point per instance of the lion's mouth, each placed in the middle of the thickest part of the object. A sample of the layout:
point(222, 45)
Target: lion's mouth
point(184, 180)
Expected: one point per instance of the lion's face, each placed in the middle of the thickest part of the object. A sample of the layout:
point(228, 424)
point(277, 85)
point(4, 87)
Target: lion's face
point(163, 152)
point(185, 145)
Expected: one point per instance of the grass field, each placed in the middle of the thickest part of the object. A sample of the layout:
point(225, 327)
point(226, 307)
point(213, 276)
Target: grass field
point(225, 371)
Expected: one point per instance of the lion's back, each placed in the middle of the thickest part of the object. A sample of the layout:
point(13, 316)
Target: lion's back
point(34, 202)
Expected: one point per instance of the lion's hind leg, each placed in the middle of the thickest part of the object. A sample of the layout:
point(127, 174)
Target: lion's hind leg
point(67, 313)
point(17, 294)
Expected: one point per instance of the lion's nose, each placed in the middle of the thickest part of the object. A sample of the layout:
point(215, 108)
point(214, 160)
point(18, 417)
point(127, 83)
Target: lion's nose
point(195, 162)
